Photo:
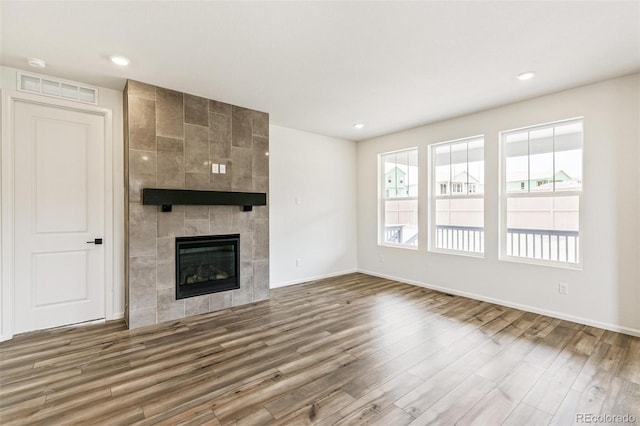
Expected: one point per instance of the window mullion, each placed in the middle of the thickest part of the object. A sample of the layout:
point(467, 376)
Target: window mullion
point(467, 166)
point(528, 161)
point(553, 176)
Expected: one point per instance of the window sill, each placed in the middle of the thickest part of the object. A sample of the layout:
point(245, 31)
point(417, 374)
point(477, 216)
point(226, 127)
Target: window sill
point(400, 246)
point(457, 253)
point(539, 262)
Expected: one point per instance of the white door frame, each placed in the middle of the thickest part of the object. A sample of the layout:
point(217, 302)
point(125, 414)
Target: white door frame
point(7, 302)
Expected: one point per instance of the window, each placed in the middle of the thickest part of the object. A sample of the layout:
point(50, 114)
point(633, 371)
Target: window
point(399, 198)
point(542, 183)
point(457, 218)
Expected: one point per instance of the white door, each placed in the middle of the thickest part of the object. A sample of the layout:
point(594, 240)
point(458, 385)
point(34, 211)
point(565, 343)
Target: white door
point(59, 212)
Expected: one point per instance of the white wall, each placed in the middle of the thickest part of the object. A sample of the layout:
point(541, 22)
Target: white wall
point(110, 103)
point(606, 292)
point(320, 231)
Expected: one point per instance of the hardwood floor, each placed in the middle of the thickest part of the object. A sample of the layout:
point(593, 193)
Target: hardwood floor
point(348, 350)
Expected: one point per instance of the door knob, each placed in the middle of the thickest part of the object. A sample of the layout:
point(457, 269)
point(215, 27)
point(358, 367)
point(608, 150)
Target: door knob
point(97, 241)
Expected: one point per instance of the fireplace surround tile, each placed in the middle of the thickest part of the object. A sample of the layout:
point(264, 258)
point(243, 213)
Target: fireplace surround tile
point(143, 273)
point(246, 254)
point(142, 230)
point(142, 172)
point(166, 263)
point(196, 147)
point(244, 294)
point(261, 185)
point(171, 165)
point(261, 239)
point(196, 305)
point(261, 212)
point(196, 181)
point(218, 301)
point(260, 160)
point(219, 135)
point(241, 127)
point(243, 221)
point(220, 182)
point(182, 135)
point(260, 122)
point(169, 144)
point(196, 212)
point(141, 90)
point(171, 224)
point(196, 110)
point(261, 279)
point(242, 160)
point(169, 113)
point(142, 123)
point(221, 219)
point(193, 227)
point(168, 307)
point(219, 107)
point(166, 277)
point(142, 317)
point(242, 183)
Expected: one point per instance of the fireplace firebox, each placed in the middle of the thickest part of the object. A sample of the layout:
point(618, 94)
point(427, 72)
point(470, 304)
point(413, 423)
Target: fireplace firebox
point(207, 264)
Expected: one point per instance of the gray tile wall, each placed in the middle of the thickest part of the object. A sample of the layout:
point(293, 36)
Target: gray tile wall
point(171, 140)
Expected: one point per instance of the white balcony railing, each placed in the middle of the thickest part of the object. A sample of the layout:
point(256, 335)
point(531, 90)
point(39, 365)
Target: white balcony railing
point(396, 234)
point(545, 244)
point(462, 238)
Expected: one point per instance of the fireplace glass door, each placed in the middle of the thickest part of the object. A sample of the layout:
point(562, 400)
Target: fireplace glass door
point(207, 264)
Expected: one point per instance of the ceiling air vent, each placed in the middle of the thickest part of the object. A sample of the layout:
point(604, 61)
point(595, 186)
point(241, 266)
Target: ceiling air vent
point(57, 88)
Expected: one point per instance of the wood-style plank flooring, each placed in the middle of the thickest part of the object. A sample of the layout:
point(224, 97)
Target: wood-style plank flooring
point(353, 349)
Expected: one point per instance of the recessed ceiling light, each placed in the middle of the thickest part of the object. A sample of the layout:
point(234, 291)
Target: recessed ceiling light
point(119, 60)
point(358, 125)
point(36, 63)
point(526, 75)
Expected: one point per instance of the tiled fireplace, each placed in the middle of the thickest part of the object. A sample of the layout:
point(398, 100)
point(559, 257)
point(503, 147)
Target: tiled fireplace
point(171, 141)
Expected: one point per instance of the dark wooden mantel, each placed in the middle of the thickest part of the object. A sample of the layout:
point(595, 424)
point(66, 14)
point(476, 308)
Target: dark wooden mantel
point(168, 197)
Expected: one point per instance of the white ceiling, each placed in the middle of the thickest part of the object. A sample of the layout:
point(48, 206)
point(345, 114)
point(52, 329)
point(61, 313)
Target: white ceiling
point(322, 66)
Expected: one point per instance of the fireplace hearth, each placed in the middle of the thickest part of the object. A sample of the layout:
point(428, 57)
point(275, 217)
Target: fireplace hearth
point(207, 264)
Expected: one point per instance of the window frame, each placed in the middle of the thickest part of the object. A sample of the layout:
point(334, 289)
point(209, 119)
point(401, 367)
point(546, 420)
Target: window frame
point(434, 195)
point(382, 198)
point(505, 195)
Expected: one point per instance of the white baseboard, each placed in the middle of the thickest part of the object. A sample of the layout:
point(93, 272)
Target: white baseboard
point(580, 320)
point(314, 278)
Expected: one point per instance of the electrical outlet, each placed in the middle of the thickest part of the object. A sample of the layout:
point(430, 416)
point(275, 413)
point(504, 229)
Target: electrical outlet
point(215, 168)
point(563, 288)
point(297, 262)
point(223, 168)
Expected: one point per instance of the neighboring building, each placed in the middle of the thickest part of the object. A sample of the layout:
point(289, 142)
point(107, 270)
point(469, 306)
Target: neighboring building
point(463, 183)
point(396, 183)
point(538, 182)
